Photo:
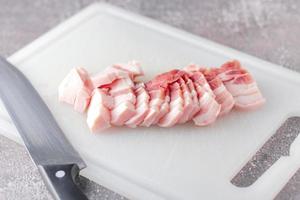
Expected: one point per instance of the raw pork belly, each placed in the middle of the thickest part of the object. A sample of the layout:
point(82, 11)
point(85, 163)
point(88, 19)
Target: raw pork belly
point(222, 95)
point(176, 107)
point(141, 106)
point(76, 89)
point(98, 114)
point(115, 97)
point(124, 98)
point(241, 85)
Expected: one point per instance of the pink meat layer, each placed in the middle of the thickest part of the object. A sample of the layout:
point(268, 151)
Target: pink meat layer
point(129, 96)
point(121, 86)
point(209, 108)
point(176, 107)
point(194, 95)
point(157, 97)
point(122, 113)
point(108, 76)
point(222, 95)
point(188, 106)
point(241, 85)
point(141, 107)
point(164, 79)
point(76, 89)
point(133, 68)
point(125, 99)
point(197, 76)
point(98, 114)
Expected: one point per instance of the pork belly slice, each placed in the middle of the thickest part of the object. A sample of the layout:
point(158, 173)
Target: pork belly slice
point(142, 107)
point(176, 107)
point(188, 105)
point(82, 101)
point(197, 76)
point(142, 95)
point(222, 95)
point(165, 107)
point(159, 104)
point(129, 96)
point(241, 89)
point(121, 86)
point(240, 83)
point(122, 113)
point(229, 70)
point(157, 97)
point(194, 95)
point(225, 99)
point(209, 108)
point(98, 114)
point(139, 116)
point(250, 106)
point(122, 92)
point(208, 115)
point(108, 76)
point(246, 93)
point(163, 80)
point(76, 89)
point(133, 68)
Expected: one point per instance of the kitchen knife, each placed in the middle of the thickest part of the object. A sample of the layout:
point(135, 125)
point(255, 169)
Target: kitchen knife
point(56, 159)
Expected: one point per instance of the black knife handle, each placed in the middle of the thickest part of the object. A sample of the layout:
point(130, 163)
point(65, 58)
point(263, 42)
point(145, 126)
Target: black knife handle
point(61, 181)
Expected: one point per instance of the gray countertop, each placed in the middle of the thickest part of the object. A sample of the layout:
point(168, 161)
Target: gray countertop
point(268, 29)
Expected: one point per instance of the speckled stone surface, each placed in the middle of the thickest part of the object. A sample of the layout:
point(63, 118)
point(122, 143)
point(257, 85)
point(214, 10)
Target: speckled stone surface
point(268, 29)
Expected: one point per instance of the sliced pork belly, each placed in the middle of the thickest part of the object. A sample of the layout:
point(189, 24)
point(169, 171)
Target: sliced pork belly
point(157, 97)
point(241, 85)
point(229, 70)
point(123, 110)
point(130, 96)
point(250, 101)
point(159, 101)
point(121, 86)
point(82, 101)
point(209, 107)
point(176, 107)
point(133, 68)
point(207, 115)
point(108, 76)
point(115, 97)
point(141, 93)
point(141, 106)
point(98, 114)
point(122, 92)
point(222, 95)
point(163, 80)
point(122, 113)
point(76, 89)
point(117, 71)
point(194, 95)
point(188, 107)
point(196, 75)
point(165, 107)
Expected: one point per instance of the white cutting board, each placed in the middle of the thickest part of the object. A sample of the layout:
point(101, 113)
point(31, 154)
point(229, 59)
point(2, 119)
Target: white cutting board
point(182, 162)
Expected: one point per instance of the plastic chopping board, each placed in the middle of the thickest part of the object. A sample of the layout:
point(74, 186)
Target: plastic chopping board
point(182, 162)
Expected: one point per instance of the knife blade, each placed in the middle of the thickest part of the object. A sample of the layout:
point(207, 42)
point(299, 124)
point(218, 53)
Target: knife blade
point(57, 160)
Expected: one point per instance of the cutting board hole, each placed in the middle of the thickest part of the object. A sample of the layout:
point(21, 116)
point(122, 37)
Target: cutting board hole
point(277, 146)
